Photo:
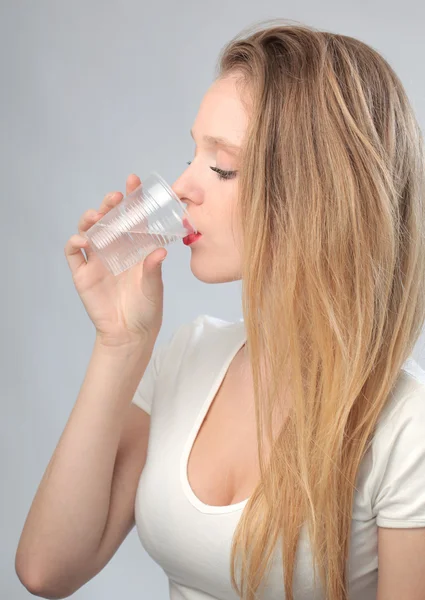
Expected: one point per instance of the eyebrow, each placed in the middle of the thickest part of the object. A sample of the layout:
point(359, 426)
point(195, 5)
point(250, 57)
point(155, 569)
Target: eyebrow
point(220, 141)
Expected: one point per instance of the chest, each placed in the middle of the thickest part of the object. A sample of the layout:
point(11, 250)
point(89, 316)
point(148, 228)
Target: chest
point(192, 540)
point(223, 465)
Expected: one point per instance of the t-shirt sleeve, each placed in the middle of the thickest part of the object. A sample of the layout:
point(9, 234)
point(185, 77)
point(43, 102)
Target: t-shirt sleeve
point(144, 394)
point(168, 352)
point(398, 498)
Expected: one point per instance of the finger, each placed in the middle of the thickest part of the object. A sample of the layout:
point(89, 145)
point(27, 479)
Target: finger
point(89, 218)
point(154, 258)
point(110, 201)
point(151, 280)
point(133, 181)
point(73, 253)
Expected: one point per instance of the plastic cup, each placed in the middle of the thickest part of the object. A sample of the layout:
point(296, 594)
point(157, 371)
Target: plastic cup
point(150, 217)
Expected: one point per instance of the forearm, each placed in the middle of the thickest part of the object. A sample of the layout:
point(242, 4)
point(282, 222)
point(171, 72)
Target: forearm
point(70, 509)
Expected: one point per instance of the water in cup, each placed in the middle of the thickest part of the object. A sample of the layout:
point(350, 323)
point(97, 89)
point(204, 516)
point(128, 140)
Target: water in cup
point(150, 217)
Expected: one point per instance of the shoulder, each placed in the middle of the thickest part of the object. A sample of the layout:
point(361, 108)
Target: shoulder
point(209, 324)
point(194, 347)
point(203, 331)
point(397, 460)
point(406, 403)
point(206, 334)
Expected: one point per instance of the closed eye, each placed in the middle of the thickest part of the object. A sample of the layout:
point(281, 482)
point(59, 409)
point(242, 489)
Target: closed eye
point(223, 175)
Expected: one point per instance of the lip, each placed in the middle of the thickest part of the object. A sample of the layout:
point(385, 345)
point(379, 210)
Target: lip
point(189, 227)
point(191, 239)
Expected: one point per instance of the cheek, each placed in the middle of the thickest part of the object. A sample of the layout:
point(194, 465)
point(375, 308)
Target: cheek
point(226, 219)
point(232, 231)
point(221, 214)
point(234, 218)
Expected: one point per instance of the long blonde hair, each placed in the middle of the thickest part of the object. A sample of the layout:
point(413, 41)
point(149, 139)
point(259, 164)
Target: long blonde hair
point(332, 207)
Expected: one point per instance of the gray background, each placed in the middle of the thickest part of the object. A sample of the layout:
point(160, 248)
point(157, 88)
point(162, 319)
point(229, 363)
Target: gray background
point(91, 92)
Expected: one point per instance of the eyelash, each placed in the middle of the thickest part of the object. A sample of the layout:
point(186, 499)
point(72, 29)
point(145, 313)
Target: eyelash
point(222, 175)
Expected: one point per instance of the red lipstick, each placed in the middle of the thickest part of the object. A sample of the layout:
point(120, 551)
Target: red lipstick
point(190, 239)
point(192, 236)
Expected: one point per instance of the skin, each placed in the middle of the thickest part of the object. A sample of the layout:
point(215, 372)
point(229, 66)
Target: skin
point(211, 204)
point(210, 201)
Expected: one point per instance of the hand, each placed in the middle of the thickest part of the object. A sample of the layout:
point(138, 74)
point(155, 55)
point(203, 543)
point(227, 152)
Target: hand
point(125, 308)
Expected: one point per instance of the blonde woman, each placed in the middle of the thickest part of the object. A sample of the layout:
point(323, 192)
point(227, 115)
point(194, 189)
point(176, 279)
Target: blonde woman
point(283, 455)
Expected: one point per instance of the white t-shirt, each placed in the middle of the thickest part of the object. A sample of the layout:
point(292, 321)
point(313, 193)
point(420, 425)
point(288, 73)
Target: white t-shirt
point(191, 541)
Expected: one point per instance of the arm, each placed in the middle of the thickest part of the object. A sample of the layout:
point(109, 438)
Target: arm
point(83, 508)
point(401, 564)
point(398, 497)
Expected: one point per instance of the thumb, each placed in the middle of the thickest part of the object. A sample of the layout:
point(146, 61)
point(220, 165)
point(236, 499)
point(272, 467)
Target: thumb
point(152, 283)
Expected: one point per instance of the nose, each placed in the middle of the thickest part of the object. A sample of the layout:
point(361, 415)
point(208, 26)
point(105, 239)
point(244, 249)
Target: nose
point(179, 193)
point(177, 188)
point(183, 186)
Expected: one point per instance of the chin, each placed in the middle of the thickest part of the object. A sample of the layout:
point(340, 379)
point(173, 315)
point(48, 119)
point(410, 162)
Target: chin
point(214, 274)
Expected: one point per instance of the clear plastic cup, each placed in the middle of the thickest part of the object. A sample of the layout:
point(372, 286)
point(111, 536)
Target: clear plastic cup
point(150, 217)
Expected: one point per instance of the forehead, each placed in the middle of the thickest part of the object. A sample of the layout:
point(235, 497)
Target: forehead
point(221, 112)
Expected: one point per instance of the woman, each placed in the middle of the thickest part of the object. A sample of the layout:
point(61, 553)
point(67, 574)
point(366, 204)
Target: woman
point(293, 439)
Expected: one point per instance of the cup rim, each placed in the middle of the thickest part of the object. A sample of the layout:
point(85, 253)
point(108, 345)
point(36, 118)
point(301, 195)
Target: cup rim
point(173, 194)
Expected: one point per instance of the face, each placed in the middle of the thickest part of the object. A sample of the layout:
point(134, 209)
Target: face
point(209, 186)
